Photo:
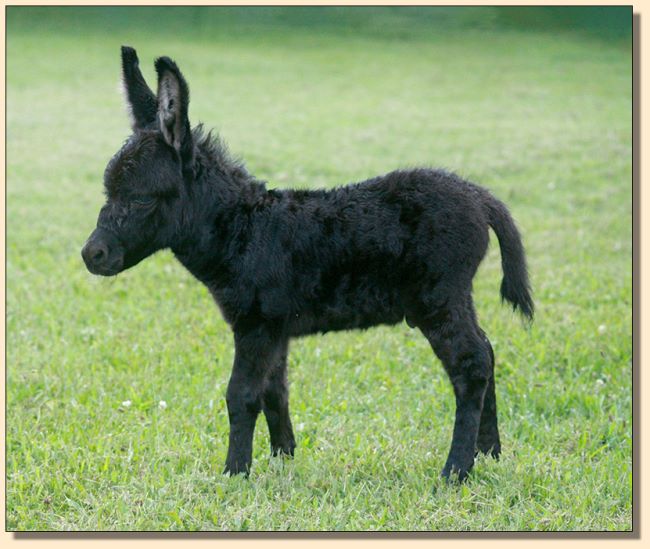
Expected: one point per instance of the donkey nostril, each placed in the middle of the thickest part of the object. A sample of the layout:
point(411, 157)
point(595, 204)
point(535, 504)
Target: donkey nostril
point(99, 254)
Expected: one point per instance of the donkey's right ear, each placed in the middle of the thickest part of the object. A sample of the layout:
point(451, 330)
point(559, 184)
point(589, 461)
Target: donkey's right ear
point(141, 101)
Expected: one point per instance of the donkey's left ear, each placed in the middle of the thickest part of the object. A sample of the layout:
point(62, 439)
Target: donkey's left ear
point(140, 100)
point(173, 101)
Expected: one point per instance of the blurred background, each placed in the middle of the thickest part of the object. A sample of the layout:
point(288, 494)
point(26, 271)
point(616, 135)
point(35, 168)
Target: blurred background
point(603, 21)
point(533, 103)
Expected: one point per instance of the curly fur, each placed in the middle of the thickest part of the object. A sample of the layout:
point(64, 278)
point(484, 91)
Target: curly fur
point(286, 263)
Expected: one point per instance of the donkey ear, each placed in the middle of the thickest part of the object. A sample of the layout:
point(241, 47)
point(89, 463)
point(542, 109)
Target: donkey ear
point(173, 101)
point(141, 101)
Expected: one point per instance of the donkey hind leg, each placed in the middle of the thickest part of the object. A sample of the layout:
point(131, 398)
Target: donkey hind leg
point(275, 404)
point(488, 441)
point(458, 342)
point(255, 354)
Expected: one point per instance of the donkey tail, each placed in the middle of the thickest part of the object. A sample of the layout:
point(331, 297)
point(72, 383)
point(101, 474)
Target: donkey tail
point(515, 286)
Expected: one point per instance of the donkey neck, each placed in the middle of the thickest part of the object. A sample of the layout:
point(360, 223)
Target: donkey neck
point(218, 225)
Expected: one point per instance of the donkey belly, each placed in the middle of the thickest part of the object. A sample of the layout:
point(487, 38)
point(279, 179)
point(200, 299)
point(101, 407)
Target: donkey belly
point(353, 302)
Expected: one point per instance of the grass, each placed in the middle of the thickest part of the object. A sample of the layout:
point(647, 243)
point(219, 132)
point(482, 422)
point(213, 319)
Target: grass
point(544, 120)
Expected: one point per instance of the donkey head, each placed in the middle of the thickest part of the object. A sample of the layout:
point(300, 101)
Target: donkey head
point(145, 181)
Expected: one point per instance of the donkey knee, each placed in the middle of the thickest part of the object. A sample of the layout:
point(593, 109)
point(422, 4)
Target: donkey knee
point(243, 398)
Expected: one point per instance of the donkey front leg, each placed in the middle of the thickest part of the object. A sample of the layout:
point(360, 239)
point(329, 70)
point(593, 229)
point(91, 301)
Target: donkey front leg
point(275, 404)
point(256, 352)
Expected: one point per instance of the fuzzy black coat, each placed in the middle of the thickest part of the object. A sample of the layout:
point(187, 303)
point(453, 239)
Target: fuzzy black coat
point(285, 263)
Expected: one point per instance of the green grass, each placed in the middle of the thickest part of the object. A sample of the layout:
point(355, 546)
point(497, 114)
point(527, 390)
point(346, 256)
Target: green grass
point(542, 119)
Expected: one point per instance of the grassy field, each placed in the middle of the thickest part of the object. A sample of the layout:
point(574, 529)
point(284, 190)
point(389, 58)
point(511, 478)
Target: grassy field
point(543, 119)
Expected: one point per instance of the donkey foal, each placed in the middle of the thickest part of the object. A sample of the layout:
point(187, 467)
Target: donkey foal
point(282, 264)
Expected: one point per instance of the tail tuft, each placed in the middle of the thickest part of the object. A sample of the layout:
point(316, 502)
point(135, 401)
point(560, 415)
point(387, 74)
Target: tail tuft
point(519, 299)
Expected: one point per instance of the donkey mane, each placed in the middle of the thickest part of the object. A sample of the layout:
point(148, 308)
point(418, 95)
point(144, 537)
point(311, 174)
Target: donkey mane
point(212, 153)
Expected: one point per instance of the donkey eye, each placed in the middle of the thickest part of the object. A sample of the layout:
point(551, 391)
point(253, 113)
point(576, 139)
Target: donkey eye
point(144, 202)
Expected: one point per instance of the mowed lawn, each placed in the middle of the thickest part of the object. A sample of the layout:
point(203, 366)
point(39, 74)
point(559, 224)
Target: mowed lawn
point(541, 119)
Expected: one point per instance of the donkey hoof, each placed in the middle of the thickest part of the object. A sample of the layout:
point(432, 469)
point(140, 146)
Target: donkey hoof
point(236, 469)
point(284, 450)
point(453, 473)
point(493, 450)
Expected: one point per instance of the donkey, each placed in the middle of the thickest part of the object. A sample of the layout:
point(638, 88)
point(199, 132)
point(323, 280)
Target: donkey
point(287, 263)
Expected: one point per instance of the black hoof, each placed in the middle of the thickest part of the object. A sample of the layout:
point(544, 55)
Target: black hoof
point(455, 474)
point(492, 449)
point(232, 470)
point(286, 450)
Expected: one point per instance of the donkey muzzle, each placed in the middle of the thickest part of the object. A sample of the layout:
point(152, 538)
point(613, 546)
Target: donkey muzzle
point(103, 253)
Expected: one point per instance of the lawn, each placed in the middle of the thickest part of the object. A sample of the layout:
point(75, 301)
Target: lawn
point(116, 415)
